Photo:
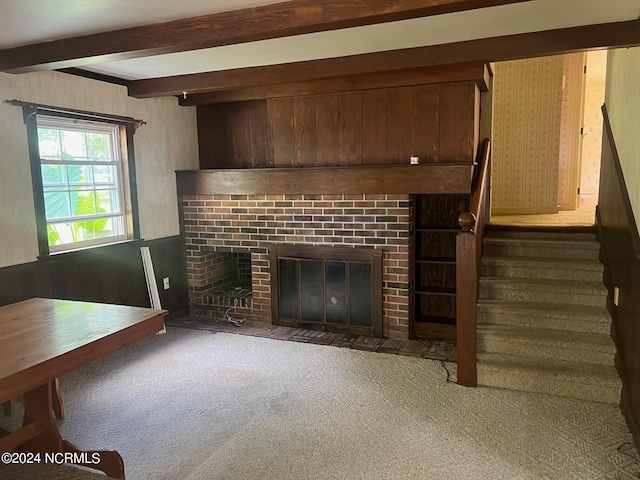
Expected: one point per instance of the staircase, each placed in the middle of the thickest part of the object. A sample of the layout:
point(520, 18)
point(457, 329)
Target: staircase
point(543, 325)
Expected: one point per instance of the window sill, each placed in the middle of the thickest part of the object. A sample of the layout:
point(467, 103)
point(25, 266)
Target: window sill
point(92, 250)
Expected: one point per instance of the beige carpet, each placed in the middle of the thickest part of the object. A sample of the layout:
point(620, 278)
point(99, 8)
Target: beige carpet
point(199, 405)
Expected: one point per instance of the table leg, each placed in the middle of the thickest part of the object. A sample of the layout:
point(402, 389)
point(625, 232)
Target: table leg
point(38, 408)
point(58, 406)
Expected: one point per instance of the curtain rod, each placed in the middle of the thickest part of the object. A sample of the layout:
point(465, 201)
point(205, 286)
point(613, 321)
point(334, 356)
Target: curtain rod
point(40, 108)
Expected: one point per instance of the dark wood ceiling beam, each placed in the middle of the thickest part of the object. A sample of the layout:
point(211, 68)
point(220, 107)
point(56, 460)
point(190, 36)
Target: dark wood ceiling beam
point(477, 72)
point(550, 42)
point(239, 26)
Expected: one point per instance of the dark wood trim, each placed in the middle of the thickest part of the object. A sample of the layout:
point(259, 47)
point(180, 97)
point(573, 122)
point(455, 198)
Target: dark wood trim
point(468, 258)
point(620, 178)
point(32, 108)
point(130, 181)
point(36, 179)
point(239, 26)
point(411, 179)
point(101, 77)
point(477, 72)
point(509, 47)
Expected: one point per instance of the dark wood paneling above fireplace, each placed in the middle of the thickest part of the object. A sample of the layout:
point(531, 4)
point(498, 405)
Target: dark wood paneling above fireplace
point(438, 123)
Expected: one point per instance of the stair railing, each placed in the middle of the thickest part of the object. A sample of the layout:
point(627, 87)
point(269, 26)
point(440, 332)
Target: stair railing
point(468, 255)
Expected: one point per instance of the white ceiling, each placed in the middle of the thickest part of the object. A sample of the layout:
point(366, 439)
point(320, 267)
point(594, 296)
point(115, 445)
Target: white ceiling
point(54, 19)
point(29, 21)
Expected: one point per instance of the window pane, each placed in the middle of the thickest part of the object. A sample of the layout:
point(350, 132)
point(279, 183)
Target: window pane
point(56, 204)
point(105, 175)
point(98, 146)
point(85, 204)
point(49, 142)
point(72, 145)
point(80, 175)
point(54, 175)
point(107, 201)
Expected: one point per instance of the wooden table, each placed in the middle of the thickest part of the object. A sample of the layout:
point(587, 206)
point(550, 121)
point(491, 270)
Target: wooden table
point(42, 339)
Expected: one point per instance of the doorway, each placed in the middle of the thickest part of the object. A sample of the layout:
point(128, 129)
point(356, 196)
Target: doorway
point(547, 134)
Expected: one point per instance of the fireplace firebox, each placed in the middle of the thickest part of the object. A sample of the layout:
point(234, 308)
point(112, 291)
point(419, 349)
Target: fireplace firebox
point(327, 288)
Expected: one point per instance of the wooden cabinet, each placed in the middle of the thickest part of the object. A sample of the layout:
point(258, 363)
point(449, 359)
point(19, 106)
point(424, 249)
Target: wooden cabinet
point(435, 231)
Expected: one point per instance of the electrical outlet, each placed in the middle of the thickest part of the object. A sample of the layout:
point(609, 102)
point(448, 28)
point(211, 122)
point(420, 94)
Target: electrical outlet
point(165, 283)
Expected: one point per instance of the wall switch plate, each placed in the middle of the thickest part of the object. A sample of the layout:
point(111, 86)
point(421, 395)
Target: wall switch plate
point(165, 283)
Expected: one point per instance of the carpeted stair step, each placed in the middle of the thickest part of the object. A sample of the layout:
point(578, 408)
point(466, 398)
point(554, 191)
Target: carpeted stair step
point(541, 248)
point(543, 234)
point(583, 347)
point(597, 383)
point(573, 318)
point(547, 268)
point(543, 291)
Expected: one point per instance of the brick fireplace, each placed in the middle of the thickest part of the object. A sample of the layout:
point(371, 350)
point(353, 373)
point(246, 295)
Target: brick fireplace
point(216, 226)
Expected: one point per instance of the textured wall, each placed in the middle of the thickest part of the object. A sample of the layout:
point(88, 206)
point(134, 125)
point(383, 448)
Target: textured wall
point(527, 100)
point(167, 143)
point(623, 104)
point(592, 141)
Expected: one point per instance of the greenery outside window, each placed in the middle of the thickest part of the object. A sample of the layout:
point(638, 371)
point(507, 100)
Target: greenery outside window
point(82, 183)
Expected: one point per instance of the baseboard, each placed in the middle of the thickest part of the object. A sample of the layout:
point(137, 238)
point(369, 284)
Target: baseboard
point(175, 315)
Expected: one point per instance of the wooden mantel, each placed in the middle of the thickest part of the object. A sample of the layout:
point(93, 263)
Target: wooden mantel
point(393, 179)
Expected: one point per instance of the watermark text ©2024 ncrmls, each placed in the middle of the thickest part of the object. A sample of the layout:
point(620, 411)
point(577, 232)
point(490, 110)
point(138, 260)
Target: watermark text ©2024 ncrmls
point(78, 458)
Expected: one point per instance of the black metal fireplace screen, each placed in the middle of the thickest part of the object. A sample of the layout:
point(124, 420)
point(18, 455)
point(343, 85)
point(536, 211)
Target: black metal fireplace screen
point(327, 288)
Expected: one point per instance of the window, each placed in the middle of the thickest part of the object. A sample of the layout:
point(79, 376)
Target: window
point(82, 182)
point(83, 176)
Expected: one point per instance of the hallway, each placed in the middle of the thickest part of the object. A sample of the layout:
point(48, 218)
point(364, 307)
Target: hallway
point(584, 216)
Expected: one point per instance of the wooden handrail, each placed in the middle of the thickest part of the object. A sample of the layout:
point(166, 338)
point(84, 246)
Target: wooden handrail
point(468, 255)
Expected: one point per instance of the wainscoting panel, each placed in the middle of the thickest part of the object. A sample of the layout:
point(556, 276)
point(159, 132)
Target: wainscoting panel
point(109, 274)
point(621, 255)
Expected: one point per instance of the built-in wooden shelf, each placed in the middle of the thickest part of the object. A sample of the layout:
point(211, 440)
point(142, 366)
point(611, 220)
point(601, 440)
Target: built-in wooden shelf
point(436, 260)
point(435, 327)
point(436, 228)
point(437, 291)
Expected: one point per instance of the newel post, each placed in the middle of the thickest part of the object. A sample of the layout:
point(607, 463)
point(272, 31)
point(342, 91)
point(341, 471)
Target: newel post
point(466, 299)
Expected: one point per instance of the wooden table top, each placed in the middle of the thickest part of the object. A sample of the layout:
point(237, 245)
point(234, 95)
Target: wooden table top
point(41, 339)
